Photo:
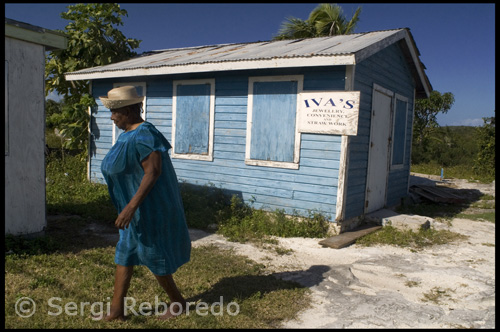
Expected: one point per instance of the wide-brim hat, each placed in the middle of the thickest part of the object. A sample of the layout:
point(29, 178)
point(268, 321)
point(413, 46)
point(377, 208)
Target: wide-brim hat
point(121, 97)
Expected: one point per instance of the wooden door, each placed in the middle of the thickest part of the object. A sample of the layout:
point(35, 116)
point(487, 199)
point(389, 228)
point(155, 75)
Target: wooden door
point(378, 159)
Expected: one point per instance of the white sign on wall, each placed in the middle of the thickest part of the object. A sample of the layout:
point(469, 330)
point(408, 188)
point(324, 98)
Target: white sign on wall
point(329, 112)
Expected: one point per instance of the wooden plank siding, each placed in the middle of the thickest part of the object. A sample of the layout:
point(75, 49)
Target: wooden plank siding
point(389, 69)
point(312, 187)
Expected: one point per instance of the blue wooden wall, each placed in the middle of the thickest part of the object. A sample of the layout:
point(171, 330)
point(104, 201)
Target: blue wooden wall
point(389, 69)
point(312, 187)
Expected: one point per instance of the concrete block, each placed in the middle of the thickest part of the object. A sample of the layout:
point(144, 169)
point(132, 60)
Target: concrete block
point(412, 222)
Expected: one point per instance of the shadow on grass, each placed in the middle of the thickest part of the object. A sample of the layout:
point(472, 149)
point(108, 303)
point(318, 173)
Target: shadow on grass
point(240, 288)
point(63, 234)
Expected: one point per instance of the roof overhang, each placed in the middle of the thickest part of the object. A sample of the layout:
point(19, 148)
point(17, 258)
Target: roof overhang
point(313, 61)
point(51, 40)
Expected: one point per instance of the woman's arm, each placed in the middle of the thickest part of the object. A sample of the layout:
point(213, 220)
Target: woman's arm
point(152, 171)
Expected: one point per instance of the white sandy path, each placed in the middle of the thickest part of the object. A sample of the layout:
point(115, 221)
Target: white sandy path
point(384, 286)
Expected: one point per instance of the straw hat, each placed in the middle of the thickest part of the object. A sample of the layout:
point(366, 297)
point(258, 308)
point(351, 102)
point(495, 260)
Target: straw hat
point(121, 97)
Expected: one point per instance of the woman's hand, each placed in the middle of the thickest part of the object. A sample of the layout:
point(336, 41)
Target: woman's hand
point(125, 217)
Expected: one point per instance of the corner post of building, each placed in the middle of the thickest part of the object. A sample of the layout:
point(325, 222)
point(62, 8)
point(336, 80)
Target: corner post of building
point(344, 155)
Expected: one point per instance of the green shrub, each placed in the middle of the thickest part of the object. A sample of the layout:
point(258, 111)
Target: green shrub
point(248, 224)
point(69, 191)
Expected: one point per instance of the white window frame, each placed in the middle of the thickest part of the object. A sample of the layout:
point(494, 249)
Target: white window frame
point(143, 115)
point(194, 156)
point(296, 154)
point(397, 97)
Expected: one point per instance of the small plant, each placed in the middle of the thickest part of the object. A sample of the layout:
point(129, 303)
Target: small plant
point(437, 295)
point(411, 283)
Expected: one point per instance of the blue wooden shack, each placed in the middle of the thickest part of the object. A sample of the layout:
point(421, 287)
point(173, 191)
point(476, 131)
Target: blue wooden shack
point(234, 114)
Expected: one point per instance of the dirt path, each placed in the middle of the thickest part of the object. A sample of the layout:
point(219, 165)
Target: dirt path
point(447, 286)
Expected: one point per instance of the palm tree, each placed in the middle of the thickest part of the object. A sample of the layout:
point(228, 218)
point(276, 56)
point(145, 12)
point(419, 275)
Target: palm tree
point(325, 20)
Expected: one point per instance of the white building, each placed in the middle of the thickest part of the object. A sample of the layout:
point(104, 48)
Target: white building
point(25, 47)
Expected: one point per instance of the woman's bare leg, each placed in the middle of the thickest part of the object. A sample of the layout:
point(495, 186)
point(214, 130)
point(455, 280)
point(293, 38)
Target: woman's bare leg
point(168, 284)
point(123, 276)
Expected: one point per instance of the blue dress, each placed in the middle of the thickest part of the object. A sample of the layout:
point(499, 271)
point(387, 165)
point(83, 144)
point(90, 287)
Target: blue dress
point(157, 236)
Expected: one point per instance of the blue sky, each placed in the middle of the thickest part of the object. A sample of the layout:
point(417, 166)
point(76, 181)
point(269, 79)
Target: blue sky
point(456, 41)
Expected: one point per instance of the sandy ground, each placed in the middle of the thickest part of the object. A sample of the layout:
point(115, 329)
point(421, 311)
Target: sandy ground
point(446, 286)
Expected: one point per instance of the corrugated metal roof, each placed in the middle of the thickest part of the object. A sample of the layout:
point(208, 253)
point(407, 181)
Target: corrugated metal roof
point(335, 50)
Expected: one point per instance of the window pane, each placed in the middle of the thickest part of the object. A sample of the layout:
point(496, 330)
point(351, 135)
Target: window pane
point(399, 138)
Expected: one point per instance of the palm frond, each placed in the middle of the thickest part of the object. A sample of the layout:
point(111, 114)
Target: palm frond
point(295, 28)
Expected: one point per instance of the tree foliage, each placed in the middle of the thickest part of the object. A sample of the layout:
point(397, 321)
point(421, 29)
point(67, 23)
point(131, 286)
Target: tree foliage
point(485, 158)
point(325, 20)
point(93, 40)
point(425, 122)
point(426, 111)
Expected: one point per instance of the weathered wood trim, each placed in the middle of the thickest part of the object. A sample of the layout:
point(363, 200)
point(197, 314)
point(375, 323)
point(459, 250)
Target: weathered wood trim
point(50, 39)
point(411, 139)
point(210, 156)
point(315, 61)
point(416, 63)
point(380, 88)
point(296, 154)
point(6, 107)
point(344, 155)
point(89, 136)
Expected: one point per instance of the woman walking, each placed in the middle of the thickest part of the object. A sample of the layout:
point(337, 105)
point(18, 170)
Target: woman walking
point(144, 189)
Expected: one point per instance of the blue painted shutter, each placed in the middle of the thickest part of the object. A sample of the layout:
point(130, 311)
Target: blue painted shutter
point(399, 137)
point(192, 119)
point(273, 121)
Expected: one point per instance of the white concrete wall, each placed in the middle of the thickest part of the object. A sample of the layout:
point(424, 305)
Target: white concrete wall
point(25, 160)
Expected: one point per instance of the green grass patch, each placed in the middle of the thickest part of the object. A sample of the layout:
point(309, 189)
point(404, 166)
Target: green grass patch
point(243, 224)
point(68, 287)
point(389, 235)
point(68, 190)
point(484, 216)
point(458, 172)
